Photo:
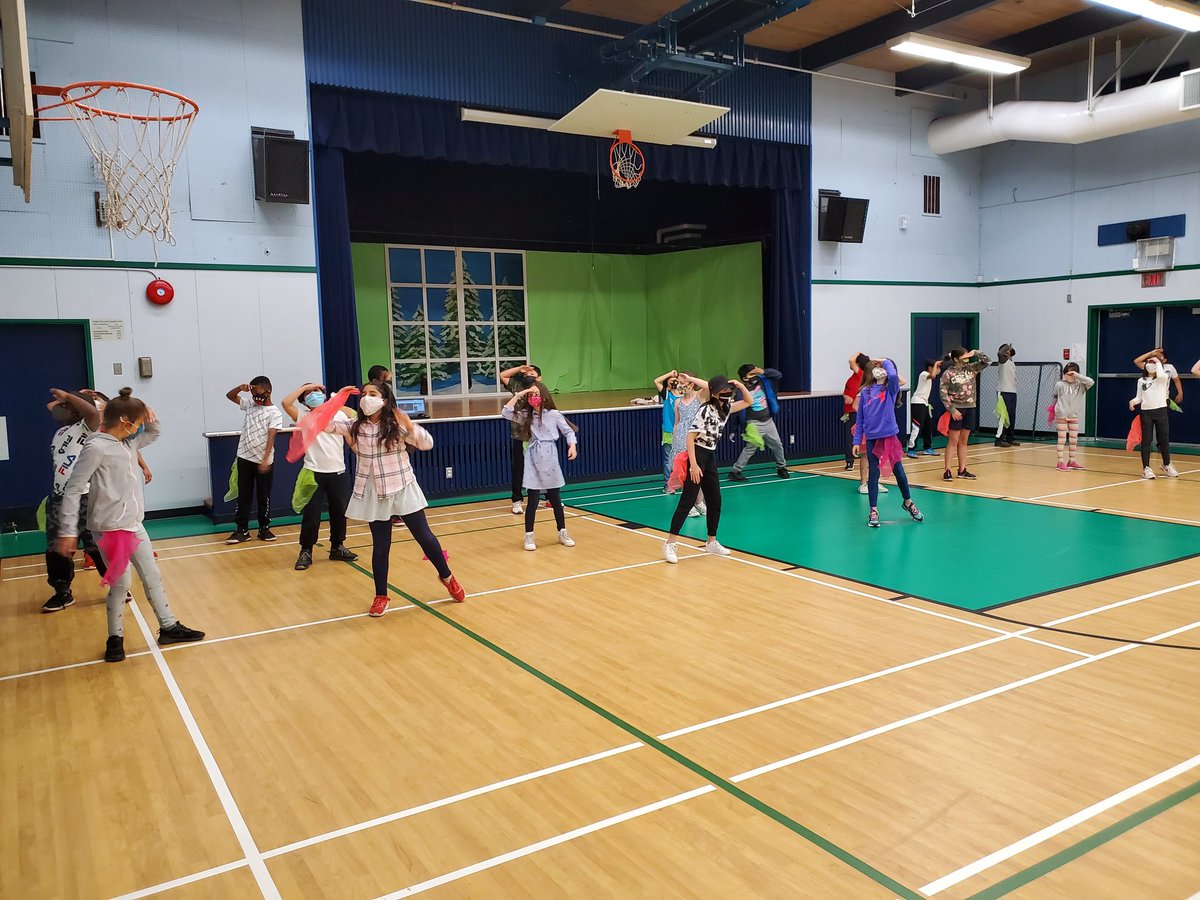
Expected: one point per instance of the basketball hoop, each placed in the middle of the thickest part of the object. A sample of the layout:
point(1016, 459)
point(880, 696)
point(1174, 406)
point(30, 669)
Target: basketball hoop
point(628, 163)
point(136, 133)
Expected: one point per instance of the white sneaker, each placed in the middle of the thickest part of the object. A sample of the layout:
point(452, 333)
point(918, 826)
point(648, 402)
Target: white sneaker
point(694, 512)
point(715, 548)
point(530, 544)
point(862, 489)
point(883, 489)
point(564, 538)
point(1170, 471)
point(518, 508)
point(669, 553)
point(702, 508)
point(1148, 472)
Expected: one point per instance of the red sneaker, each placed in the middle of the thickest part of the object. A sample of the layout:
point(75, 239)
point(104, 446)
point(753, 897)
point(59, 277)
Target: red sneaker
point(379, 607)
point(88, 563)
point(1074, 465)
point(456, 590)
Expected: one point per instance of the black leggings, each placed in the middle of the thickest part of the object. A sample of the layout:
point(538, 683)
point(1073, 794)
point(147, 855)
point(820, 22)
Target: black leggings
point(518, 468)
point(531, 507)
point(710, 484)
point(381, 546)
point(1154, 422)
point(923, 418)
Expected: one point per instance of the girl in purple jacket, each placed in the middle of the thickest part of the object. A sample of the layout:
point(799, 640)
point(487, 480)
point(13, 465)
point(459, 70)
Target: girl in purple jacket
point(875, 434)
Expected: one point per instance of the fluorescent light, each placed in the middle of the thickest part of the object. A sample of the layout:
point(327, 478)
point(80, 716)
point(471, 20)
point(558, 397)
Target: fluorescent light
point(960, 54)
point(1169, 12)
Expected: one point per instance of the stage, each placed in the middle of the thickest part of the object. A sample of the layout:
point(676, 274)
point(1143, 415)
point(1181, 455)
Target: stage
point(590, 401)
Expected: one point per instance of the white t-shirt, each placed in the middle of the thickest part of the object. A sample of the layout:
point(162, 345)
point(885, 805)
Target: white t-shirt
point(1153, 389)
point(1008, 377)
point(708, 425)
point(68, 441)
point(259, 421)
point(327, 452)
point(924, 385)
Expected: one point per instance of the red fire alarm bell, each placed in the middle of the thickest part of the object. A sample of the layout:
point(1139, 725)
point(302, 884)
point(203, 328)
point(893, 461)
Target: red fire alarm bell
point(1067, 353)
point(160, 292)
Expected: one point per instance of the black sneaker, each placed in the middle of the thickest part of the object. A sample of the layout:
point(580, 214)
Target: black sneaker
point(265, 534)
point(114, 650)
point(341, 554)
point(178, 634)
point(850, 465)
point(782, 472)
point(946, 476)
point(58, 602)
point(240, 536)
point(303, 561)
point(736, 476)
point(963, 473)
point(1014, 443)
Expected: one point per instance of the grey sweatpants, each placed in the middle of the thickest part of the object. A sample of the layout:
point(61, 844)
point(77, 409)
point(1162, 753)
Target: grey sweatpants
point(147, 569)
point(770, 436)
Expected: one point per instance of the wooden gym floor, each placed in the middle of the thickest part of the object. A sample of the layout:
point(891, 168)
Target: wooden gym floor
point(595, 723)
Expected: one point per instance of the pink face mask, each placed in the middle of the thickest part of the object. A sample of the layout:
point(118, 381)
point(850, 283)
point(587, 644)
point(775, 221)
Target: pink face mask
point(535, 400)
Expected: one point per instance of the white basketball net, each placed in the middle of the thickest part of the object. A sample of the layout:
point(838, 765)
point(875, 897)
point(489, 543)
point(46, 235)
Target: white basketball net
point(627, 162)
point(136, 134)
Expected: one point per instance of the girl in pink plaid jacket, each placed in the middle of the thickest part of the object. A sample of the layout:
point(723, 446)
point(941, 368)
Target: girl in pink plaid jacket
point(385, 486)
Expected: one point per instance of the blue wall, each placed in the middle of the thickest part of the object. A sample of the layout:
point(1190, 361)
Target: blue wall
point(444, 54)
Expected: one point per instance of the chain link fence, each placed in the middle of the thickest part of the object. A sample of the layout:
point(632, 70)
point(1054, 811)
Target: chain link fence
point(1035, 391)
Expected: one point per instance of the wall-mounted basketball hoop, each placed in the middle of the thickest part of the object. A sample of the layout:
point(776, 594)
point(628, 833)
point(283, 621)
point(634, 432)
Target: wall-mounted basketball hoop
point(136, 133)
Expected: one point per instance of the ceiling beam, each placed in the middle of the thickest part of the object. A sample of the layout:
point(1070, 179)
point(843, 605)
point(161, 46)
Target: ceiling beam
point(535, 9)
point(879, 31)
point(1024, 43)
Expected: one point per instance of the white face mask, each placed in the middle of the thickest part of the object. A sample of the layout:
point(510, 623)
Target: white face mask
point(1151, 367)
point(878, 374)
point(370, 404)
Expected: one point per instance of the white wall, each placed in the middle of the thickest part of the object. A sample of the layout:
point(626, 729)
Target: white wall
point(869, 143)
point(233, 319)
point(222, 329)
point(242, 61)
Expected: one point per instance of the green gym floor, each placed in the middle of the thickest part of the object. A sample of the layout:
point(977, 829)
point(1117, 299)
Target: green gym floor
point(971, 552)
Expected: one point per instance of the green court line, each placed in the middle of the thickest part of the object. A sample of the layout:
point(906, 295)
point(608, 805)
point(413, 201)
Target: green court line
point(1087, 845)
point(712, 778)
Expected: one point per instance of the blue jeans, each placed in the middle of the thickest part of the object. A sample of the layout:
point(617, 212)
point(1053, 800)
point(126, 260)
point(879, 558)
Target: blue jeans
point(873, 476)
point(668, 460)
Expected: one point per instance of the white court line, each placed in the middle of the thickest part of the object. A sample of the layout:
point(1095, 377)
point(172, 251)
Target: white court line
point(530, 849)
point(837, 587)
point(969, 871)
point(249, 849)
point(186, 879)
point(1100, 487)
point(543, 845)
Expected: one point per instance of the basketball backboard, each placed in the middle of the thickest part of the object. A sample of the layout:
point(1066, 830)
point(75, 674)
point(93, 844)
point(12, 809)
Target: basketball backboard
point(18, 91)
point(650, 120)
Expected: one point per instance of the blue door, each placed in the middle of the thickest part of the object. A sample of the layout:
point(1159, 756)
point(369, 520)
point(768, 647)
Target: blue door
point(1123, 335)
point(42, 355)
point(933, 338)
point(1180, 339)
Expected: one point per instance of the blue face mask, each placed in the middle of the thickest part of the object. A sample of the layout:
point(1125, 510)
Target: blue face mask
point(137, 434)
point(314, 399)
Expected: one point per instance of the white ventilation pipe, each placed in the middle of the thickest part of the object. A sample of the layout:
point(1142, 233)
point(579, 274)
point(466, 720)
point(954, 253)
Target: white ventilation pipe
point(1135, 109)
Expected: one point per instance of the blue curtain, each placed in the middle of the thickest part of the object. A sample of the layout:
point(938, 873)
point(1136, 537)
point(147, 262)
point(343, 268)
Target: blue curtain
point(335, 273)
point(382, 123)
point(787, 302)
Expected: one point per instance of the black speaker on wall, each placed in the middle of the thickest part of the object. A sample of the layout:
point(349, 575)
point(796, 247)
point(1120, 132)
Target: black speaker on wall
point(280, 166)
point(842, 219)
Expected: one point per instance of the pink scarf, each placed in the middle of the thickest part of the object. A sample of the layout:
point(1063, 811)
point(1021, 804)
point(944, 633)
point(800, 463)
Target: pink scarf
point(315, 423)
point(117, 549)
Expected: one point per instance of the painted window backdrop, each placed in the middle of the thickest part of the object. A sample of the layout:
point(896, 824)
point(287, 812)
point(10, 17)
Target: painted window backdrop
point(458, 318)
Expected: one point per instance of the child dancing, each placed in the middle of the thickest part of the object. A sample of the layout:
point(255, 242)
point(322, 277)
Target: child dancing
point(540, 427)
point(1068, 407)
point(875, 434)
point(107, 470)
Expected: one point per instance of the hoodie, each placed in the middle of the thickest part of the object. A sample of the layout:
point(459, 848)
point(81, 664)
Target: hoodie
point(877, 408)
point(115, 501)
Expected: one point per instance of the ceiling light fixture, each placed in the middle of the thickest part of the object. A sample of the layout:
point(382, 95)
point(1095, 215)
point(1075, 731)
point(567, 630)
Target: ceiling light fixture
point(1170, 12)
point(959, 54)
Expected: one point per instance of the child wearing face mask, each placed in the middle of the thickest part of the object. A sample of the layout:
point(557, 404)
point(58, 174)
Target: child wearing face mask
point(670, 388)
point(79, 418)
point(875, 436)
point(1068, 407)
point(255, 455)
point(761, 384)
point(1152, 390)
point(116, 507)
point(716, 406)
point(385, 486)
point(1006, 386)
point(325, 458)
point(540, 426)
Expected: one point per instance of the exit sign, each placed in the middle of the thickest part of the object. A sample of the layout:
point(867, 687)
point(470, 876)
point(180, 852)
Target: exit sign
point(1154, 279)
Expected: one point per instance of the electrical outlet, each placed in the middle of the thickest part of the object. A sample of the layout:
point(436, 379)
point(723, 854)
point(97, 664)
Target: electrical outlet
point(791, 439)
point(449, 471)
point(117, 369)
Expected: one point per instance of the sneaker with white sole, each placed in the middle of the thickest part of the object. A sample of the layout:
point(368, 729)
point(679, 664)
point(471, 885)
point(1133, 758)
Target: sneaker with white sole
point(862, 489)
point(694, 512)
point(1148, 473)
point(1169, 471)
point(669, 553)
point(715, 548)
point(564, 538)
point(530, 543)
point(703, 509)
point(518, 508)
